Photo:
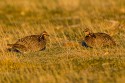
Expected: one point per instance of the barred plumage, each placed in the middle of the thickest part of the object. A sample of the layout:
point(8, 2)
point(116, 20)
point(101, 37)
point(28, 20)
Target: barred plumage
point(30, 43)
point(98, 39)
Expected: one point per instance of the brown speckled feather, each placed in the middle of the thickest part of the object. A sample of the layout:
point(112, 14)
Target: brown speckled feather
point(31, 43)
point(99, 40)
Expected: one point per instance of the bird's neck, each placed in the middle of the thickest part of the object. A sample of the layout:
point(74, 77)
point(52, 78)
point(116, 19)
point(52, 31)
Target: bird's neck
point(42, 38)
point(91, 35)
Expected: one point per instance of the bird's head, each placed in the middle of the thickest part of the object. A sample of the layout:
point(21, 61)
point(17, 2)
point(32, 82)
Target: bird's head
point(87, 31)
point(44, 35)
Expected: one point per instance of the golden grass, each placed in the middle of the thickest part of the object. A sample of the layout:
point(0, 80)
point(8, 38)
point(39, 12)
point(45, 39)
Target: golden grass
point(64, 60)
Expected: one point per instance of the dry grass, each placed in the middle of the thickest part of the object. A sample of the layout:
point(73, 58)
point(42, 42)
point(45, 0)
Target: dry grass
point(63, 61)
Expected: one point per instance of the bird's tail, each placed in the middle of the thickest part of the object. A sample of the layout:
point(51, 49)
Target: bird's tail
point(10, 45)
point(9, 48)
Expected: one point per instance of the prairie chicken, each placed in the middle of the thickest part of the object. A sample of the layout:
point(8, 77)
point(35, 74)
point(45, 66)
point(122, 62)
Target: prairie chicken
point(30, 43)
point(97, 40)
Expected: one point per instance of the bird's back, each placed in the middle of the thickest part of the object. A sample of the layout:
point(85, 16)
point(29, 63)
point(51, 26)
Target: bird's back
point(99, 40)
point(105, 38)
point(32, 43)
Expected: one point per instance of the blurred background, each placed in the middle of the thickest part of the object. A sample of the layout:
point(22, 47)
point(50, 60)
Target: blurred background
point(15, 12)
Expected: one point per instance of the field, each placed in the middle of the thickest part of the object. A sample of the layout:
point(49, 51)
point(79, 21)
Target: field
point(64, 60)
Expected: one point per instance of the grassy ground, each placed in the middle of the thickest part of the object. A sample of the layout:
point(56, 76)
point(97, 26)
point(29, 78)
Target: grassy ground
point(65, 21)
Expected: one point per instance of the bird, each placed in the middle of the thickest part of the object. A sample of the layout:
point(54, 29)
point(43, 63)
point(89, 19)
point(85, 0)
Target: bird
point(30, 43)
point(97, 40)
